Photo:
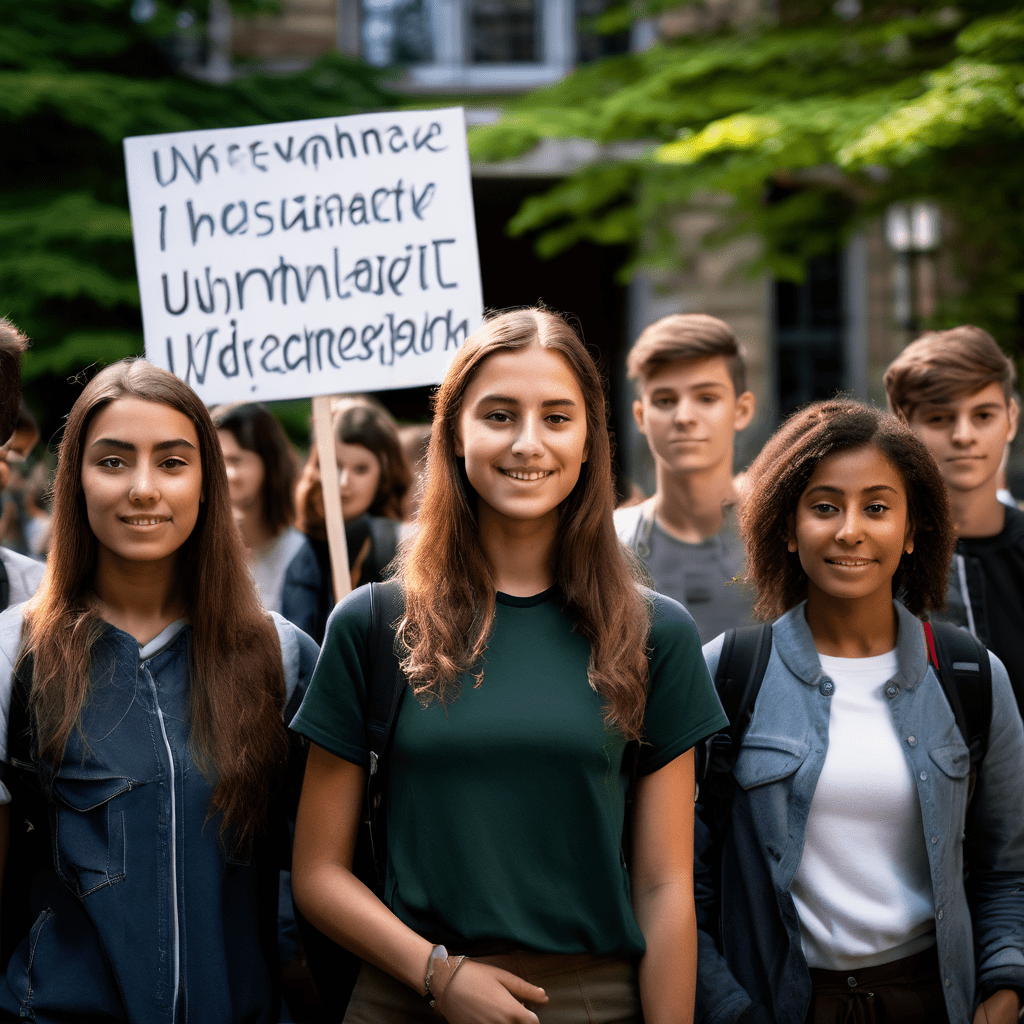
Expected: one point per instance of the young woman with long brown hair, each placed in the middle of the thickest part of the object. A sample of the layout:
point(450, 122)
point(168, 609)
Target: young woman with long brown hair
point(149, 687)
point(533, 660)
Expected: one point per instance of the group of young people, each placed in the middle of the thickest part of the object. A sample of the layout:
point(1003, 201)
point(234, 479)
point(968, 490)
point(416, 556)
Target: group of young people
point(171, 748)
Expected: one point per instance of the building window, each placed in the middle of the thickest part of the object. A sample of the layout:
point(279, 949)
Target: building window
point(503, 31)
point(474, 45)
point(810, 361)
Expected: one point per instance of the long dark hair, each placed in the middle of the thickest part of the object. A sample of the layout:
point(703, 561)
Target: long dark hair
point(356, 419)
point(450, 594)
point(236, 689)
point(254, 428)
point(374, 429)
point(779, 476)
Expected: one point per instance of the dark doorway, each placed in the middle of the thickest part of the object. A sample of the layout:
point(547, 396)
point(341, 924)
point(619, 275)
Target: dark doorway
point(580, 282)
point(809, 334)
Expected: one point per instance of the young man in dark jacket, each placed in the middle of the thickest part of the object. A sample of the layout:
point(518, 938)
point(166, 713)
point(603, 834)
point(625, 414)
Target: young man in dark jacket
point(955, 389)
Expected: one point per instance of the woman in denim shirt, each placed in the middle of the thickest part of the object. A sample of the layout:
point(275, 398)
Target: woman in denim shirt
point(841, 893)
point(150, 687)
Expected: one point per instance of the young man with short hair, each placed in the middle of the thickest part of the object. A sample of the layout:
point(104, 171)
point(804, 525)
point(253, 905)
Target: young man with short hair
point(19, 575)
point(12, 345)
point(955, 389)
point(692, 397)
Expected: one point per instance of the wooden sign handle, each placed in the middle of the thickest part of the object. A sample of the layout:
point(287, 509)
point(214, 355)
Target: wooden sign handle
point(323, 433)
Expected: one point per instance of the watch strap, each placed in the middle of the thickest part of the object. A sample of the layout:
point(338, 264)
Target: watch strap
point(444, 971)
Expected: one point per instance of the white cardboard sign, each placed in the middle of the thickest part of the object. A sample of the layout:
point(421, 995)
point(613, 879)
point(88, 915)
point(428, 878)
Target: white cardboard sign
point(306, 258)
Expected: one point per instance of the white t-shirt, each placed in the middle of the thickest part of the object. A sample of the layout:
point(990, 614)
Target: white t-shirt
point(863, 890)
point(270, 564)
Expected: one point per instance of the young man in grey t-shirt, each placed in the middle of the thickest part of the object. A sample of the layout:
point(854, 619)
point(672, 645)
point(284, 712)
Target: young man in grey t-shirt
point(692, 397)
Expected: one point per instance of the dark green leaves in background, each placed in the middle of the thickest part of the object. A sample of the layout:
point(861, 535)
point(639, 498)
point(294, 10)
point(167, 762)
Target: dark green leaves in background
point(76, 77)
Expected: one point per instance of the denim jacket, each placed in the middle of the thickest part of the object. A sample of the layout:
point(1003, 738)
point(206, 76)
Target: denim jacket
point(300, 595)
point(144, 913)
point(979, 926)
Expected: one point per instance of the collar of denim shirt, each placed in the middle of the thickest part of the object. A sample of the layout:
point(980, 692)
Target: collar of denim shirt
point(791, 638)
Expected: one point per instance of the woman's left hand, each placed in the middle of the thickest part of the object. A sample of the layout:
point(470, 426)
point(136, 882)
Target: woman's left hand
point(1002, 1007)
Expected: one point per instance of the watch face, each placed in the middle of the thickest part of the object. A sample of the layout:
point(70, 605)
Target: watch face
point(437, 955)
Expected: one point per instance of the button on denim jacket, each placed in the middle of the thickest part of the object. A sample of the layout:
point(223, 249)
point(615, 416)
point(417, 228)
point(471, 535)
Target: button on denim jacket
point(143, 916)
point(979, 928)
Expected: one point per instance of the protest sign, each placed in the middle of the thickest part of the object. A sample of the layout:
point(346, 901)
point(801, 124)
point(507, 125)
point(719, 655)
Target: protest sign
point(306, 258)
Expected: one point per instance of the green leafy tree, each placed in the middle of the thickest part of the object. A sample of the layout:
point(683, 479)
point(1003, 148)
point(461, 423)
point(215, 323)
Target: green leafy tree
point(76, 77)
point(811, 124)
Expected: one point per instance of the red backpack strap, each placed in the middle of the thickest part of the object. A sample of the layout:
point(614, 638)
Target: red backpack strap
point(929, 639)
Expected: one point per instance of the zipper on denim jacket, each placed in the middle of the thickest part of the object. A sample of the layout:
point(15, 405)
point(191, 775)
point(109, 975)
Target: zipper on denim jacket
point(174, 854)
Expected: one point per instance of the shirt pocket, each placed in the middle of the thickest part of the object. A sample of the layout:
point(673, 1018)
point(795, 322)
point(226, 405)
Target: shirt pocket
point(954, 760)
point(766, 759)
point(952, 788)
point(89, 829)
point(764, 773)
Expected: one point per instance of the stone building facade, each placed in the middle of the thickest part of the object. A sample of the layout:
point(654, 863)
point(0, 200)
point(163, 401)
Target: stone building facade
point(836, 332)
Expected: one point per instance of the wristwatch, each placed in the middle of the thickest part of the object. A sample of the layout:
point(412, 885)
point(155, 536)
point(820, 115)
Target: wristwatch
point(438, 955)
point(441, 969)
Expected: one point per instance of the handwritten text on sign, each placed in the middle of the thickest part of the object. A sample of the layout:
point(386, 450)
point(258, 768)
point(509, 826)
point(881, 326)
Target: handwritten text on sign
point(288, 260)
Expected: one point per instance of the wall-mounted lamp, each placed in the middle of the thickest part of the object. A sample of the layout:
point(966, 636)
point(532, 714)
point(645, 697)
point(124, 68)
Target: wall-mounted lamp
point(913, 227)
point(913, 230)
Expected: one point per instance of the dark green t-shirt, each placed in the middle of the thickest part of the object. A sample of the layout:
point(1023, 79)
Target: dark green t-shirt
point(505, 809)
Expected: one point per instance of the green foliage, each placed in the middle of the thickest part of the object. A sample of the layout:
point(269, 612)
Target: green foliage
point(76, 77)
point(810, 125)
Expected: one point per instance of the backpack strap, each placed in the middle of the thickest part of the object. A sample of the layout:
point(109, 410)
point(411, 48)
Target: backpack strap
point(334, 968)
point(386, 686)
point(738, 678)
point(962, 664)
point(30, 850)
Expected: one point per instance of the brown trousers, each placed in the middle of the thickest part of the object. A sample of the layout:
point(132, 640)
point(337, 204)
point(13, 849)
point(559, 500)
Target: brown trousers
point(581, 990)
point(907, 991)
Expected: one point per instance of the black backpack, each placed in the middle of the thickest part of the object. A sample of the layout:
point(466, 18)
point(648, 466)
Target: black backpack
point(333, 967)
point(30, 851)
point(961, 662)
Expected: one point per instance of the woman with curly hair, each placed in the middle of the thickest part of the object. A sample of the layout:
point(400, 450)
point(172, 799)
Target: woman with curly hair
point(839, 892)
point(535, 664)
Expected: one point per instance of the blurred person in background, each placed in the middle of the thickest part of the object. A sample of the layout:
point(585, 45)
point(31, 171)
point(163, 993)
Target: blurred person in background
point(19, 575)
point(955, 389)
point(415, 440)
point(261, 468)
point(38, 521)
point(692, 398)
point(374, 478)
point(12, 346)
point(14, 518)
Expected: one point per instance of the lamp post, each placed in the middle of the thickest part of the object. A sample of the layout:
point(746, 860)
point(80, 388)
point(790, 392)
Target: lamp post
point(912, 230)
